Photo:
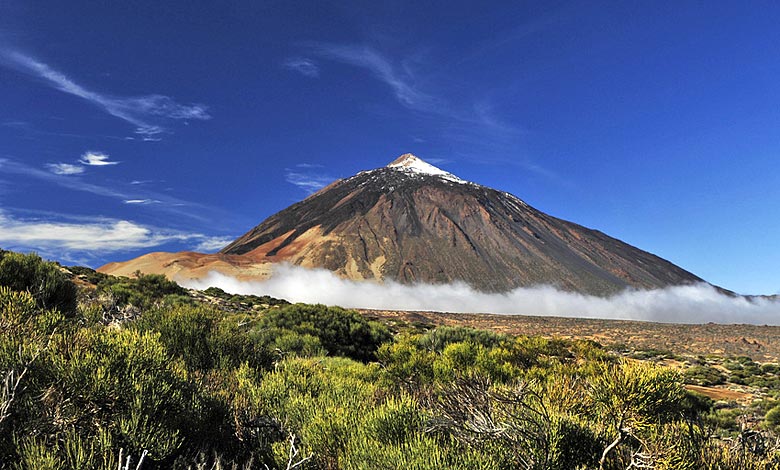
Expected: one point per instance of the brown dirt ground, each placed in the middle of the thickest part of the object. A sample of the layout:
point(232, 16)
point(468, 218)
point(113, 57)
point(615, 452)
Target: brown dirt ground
point(722, 394)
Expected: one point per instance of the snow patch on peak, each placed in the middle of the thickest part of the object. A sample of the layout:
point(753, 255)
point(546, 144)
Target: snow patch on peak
point(412, 164)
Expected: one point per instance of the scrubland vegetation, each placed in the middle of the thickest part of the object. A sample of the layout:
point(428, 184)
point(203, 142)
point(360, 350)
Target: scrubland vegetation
point(117, 372)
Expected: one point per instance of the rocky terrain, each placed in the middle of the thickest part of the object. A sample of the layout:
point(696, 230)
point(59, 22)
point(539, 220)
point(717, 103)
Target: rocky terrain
point(760, 342)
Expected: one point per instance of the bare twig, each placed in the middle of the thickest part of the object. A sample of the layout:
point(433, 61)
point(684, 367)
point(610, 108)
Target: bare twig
point(129, 460)
point(609, 448)
point(472, 411)
point(293, 454)
point(12, 380)
point(8, 392)
point(141, 460)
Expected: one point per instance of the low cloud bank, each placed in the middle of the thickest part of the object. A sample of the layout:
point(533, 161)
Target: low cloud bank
point(699, 303)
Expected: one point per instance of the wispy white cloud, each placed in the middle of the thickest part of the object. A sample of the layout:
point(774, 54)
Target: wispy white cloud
point(95, 236)
point(139, 111)
point(88, 159)
point(303, 66)
point(122, 192)
point(699, 303)
point(15, 167)
point(150, 133)
point(140, 201)
point(28, 130)
point(397, 78)
point(402, 80)
point(145, 182)
point(21, 125)
point(165, 106)
point(91, 158)
point(212, 244)
point(484, 113)
point(309, 181)
point(473, 120)
point(65, 168)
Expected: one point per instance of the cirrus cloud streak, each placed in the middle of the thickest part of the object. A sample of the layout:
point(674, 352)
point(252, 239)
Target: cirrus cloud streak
point(139, 111)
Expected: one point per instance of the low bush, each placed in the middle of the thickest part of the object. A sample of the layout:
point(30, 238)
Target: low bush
point(704, 375)
point(45, 281)
point(143, 291)
point(340, 332)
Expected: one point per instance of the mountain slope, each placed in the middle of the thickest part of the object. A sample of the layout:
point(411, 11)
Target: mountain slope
point(413, 222)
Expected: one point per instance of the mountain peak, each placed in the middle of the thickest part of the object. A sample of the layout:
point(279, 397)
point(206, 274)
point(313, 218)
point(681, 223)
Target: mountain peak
point(403, 159)
point(411, 222)
point(411, 163)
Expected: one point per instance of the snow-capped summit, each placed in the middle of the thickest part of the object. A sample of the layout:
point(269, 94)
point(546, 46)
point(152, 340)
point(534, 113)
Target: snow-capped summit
point(412, 163)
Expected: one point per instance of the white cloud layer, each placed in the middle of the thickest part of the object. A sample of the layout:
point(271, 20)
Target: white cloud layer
point(136, 110)
point(682, 304)
point(95, 236)
point(106, 236)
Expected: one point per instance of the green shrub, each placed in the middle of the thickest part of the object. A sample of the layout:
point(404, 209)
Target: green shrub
point(233, 343)
point(406, 365)
point(302, 345)
point(184, 331)
point(142, 291)
point(704, 375)
point(205, 338)
point(88, 274)
point(246, 300)
point(441, 337)
point(49, 285)
point(341, 332)
point(322, 401)
point(100, 381)
point(572, 443)
point(35, 453)
point(632, 399)
point(459, 359)
point(21, 316)
point(772, 419)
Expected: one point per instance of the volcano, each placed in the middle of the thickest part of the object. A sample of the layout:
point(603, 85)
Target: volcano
point(412, 222)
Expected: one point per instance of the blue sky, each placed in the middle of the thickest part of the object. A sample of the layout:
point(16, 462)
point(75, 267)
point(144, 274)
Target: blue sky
point(129, 127)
